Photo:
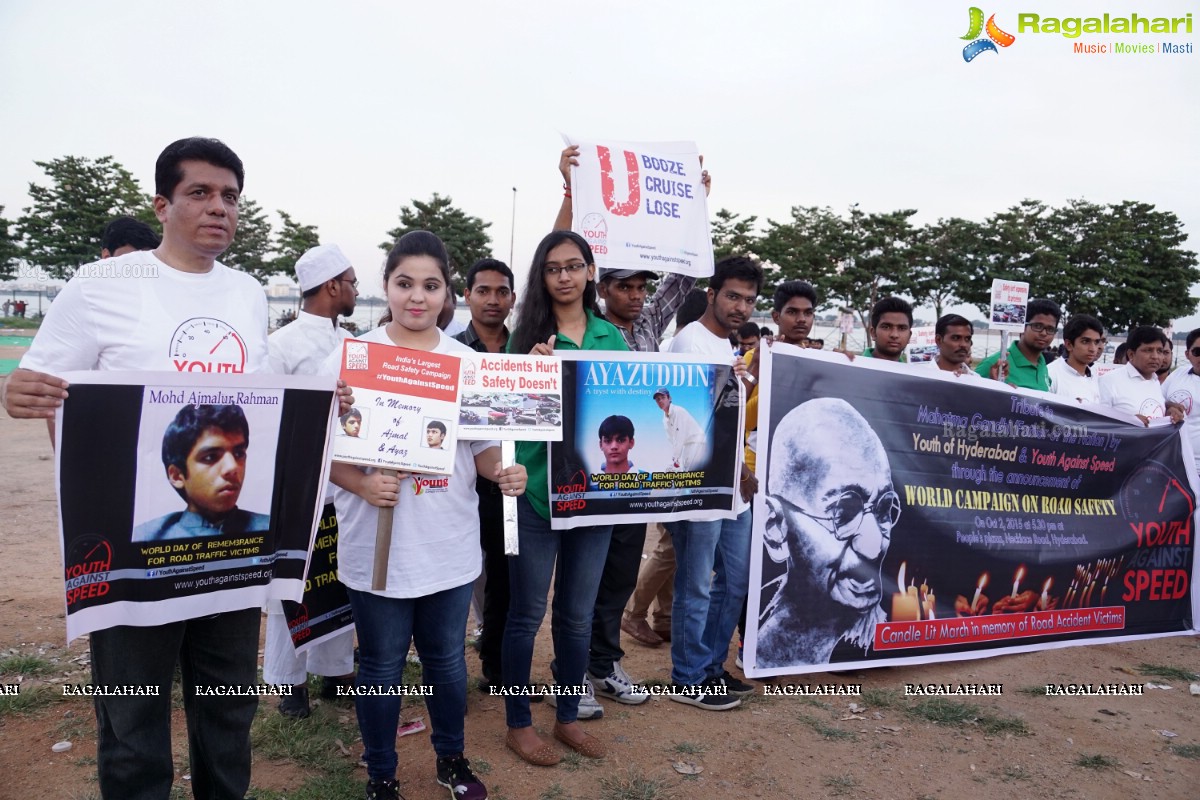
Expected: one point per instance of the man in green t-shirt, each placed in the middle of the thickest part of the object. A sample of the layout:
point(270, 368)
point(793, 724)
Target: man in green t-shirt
point(1026, 366)
point(891, 329)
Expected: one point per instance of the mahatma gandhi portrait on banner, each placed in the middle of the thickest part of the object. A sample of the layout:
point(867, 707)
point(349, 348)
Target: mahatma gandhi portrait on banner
point(831, 511)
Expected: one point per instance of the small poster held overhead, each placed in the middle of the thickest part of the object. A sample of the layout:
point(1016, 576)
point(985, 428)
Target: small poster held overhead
point(1009, 301)
point(405, 413)
point(641, 206)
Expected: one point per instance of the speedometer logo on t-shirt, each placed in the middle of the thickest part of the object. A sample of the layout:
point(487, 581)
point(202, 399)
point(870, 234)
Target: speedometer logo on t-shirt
point(204, 344)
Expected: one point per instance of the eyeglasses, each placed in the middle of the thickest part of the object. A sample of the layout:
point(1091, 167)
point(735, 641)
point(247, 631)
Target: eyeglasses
point(847, 512)
point(353, 283)
point(1038, 327)
point(554, 270)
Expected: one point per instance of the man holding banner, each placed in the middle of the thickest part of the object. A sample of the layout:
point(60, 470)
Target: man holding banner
point(706, 608)
point(198, 184)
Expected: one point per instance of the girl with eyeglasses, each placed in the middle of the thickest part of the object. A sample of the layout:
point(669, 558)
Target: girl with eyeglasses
point(558, 312)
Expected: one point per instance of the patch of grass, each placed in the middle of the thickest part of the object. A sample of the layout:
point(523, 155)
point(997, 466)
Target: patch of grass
point(1033, 691)
point(840, 784)
point(86, 796)
point(412, 673)
point(881, 698)
point(481, 766)
point(633, 784)
point(1186, 750)
point(75, 727)
point(340, 785)
point(555, 792)
point(25, 665)
point(85, 761)
point(30, 699)
point(690, 748)
point(1003, 725)
point(1164, 671)
point(307, 741)
point(827, 731)
point(573, 762)
point(654, 682)
point(1096, 761)
point(940, 711)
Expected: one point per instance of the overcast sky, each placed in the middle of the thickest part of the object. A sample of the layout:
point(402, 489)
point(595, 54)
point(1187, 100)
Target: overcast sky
point(345, 112)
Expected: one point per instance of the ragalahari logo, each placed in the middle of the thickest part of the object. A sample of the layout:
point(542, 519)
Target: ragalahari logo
point(995, 36)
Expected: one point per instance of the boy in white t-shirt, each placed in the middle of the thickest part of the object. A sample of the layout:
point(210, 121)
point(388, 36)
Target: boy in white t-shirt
point(1072, 376)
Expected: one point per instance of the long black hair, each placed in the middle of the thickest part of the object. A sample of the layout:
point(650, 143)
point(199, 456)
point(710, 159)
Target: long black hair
point(535, 321)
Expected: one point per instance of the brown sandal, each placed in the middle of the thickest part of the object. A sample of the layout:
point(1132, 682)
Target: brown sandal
point(543, 756)
point(590, 746)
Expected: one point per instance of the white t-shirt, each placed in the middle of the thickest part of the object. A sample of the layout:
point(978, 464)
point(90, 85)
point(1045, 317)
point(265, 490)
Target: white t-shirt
point(435, 529)
point(1064, 380)
point(695, 338)
point(1126, 390)
point(1183, 386)
point(136, 313)
point(301, 346)
point(932, 364)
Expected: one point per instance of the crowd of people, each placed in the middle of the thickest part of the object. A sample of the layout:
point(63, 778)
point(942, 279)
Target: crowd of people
point(689, 592)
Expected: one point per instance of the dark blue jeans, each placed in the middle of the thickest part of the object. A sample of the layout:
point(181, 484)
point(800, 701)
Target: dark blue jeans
point(437, 625)
point(579, 555)
point(712, 576)
point(133, 751)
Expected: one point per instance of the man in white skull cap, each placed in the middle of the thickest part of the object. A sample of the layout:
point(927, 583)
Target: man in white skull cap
point(329, 288)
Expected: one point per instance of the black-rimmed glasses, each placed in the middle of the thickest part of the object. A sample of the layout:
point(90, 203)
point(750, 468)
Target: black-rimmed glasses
point(845, 514)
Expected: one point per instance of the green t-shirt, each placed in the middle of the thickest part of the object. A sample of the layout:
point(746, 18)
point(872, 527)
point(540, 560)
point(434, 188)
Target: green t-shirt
point(598, 335)
point(870, 353)
point(1021, 372)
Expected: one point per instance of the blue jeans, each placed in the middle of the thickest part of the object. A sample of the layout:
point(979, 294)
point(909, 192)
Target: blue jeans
point(580, 555)
point(437, 625)
point(706, 606)
point(133, 751)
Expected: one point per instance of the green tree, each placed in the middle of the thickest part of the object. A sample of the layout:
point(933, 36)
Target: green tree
point(251, 248)
point(948, 260)
point(10, 249)
point(292, 240)
point(732, 234)
point(466, 237)
point(1123, 263)
point(61, 229)
point(809, 247)
point(882, 255)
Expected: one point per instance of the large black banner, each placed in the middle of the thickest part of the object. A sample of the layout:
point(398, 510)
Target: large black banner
point(183, 494)
point(907, 515)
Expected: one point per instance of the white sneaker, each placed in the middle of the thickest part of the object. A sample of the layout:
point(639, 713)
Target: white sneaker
point(619, 686)
point(589, 706)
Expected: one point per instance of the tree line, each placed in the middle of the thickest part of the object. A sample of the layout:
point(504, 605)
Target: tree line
point(62, 226)
point(1123, 262)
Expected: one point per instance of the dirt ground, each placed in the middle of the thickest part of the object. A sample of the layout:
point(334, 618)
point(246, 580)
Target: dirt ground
point(1018, 745)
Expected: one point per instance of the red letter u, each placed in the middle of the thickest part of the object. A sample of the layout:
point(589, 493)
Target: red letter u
point(608, 188)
